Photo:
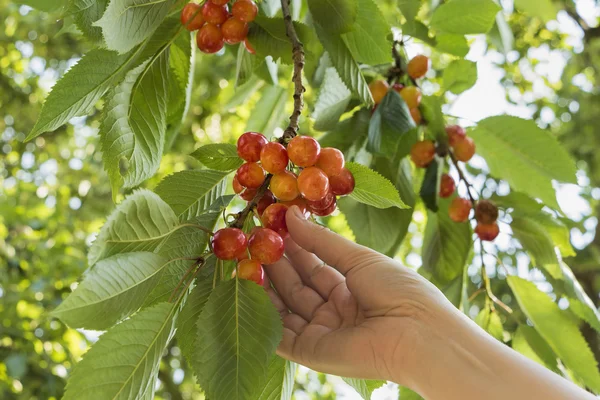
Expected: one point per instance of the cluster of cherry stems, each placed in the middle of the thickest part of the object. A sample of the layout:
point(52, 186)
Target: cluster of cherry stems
point(302, 175)
point(462, 148)
point(217, 26)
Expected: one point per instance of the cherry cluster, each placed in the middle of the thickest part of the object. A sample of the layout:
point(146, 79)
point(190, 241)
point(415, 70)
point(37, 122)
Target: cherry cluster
point(463, 149)
point(303, 174)
point(216, 25)
point(411, 94)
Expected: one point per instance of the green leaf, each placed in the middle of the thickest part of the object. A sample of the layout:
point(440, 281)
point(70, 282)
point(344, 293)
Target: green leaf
point(280, 380)
point(558, 329)
point(348, 134)
point(368, 40)
point(188, 317)
point(459, 75)
point(465, 17)
point(524, 155)
point(140, 223)
point(134, 125)
point(219, 156)
point(86, 12)
point(490, 321)
point(244, 67)
point(452, 44)
point(446, 245)
point(518, 201)
point(431, 106)
point(579, 301)
point(364, 387)
point(111, 291)
point(238, 332)
point(268, 38)
point(430, 188)
point(333, 99)
point(419, 31)
point(124, 362)
point(345, 64)
point(79, 89)
point(336, 16)
point(528, 342)
point(537, 242)
point(544, 9)
point(502, 35)
point(407, 394)
point(373, 189)
point(269, 112)
point(127, 23)
point(389, 125)
point(410, 10)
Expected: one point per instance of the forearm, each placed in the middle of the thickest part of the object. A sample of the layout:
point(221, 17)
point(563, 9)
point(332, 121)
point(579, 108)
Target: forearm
point(459, 360)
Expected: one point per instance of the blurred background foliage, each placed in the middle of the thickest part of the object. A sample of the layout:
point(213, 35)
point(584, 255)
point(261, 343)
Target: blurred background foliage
point(54, 194)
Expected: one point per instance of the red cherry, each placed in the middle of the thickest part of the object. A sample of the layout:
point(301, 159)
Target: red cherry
point(459, 210)
point(331, 161)
point(274, 158)
point(192, 10)
point(250, 270)
point(249, 48)
point(379, 89)
point(418, 67)
point(245, 10)
point(249, 194)
point(249, 146)
point(234, 30)
point(265, 201)
point(412, 96)
point(210, 39)
point(227, 243)
point(487, 232)
point(214, 14)
point(274, 218)
point(298, 202)
point(243, 255)
point(398, 87)
point(455, 133)
point(486, 212)
point(304, 151)
point(464, 149)
point(219, 2)
point(322, 204)
point(237, 186)
point(251, 175)
point(343, 183)
point(422, 153)
point(285, 186)
point(266, 246)
point(313, 184)
point(447, 186)
point(327, 211)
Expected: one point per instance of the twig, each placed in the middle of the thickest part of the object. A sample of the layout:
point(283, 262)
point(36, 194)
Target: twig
point(463, 178)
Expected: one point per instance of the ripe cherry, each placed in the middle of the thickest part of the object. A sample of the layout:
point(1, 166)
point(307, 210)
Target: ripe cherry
point(209, 39)
point(326, 211)
point(422, 153)
point(245, 10)
point(214, 14)
point(266, 246)
point(250, 270)
point(243, 255)
point(285, 186)
point(248, 194)
point(265, 201)
point(192, 10)
point(447, 186)
point(412, 96)
point(486, 212)
point(234, 30)
point(343, 183)
point(455, 134)
point(464, 149)
point(304, 151)
point(331, 161)
point(219, 2)
point(227, 243)
point(313, 184)
point(249, 48)
point(379, 89)
point(398, 87)
point(251, 175)
point(237, 186)
point(274, 218)
point(322, 204)
point(274, 158)
point(415, 113)
point(459, 210)
point(249, 146)
point(418, 67)
point(298, 202)
point(487, 232)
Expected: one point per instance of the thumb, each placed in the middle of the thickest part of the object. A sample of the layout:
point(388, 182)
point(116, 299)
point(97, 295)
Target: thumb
point(335, 250)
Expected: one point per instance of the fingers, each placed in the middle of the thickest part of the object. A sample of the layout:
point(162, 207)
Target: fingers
point(314, 272)
point(338, 252)
point(298, 297)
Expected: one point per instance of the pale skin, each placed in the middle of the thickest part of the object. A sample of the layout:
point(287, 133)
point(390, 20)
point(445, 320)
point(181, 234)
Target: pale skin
point(350, 311)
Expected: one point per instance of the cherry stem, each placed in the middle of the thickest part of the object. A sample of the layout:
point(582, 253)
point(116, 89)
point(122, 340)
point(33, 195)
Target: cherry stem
point(487, 284)
point(198, 262)
point(463, 178)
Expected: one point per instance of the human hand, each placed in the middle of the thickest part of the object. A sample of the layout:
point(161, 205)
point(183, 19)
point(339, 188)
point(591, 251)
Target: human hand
point(346, 309)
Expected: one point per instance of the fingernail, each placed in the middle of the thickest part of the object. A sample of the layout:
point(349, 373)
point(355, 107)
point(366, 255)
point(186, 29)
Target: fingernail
point(297, 213)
